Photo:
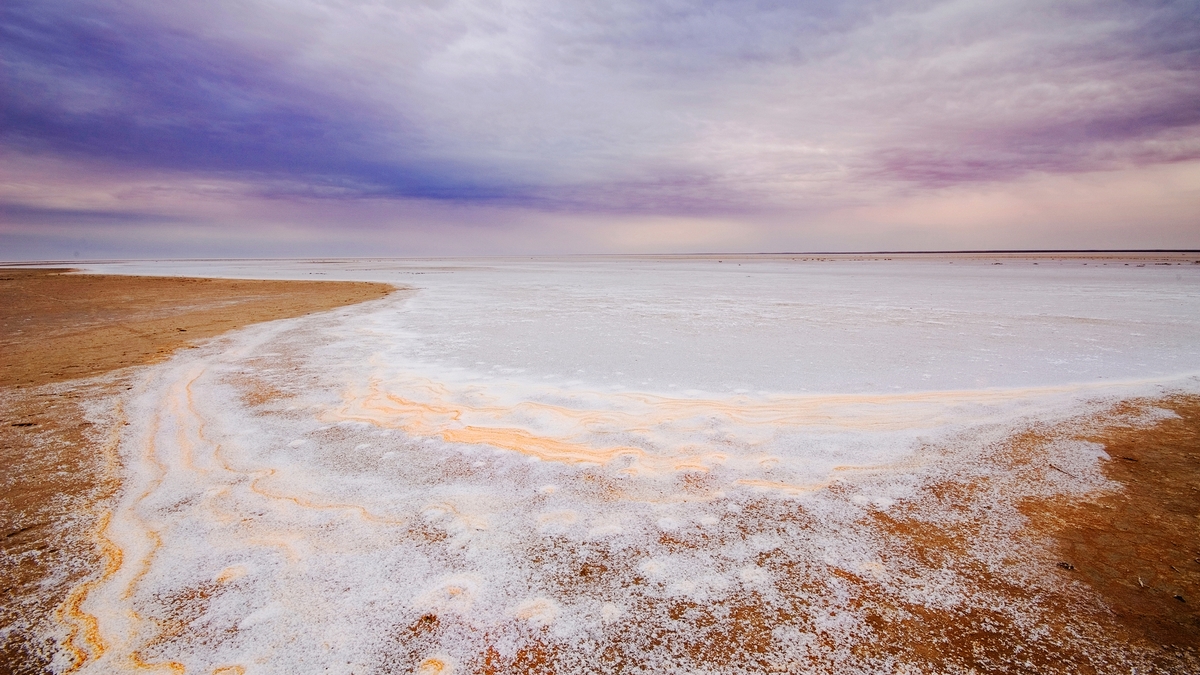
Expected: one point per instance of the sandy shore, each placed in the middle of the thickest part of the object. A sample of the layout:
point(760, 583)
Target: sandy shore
point(67, 342)
point(1128, 560)
point(56, 327)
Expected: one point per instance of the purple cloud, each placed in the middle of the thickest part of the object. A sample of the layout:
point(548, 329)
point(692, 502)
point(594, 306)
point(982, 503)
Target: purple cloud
point(624, 108)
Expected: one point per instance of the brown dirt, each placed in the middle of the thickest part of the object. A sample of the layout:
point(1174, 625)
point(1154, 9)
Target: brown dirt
point(1140, 548)
point(56, 327)
point(1128, 560)
point(58, 332)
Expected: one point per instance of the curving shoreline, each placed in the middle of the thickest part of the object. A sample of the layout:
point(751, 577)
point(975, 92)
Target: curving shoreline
point(68, 344)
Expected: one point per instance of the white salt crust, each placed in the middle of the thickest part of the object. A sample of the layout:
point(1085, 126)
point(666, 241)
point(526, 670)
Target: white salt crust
point(528, 454)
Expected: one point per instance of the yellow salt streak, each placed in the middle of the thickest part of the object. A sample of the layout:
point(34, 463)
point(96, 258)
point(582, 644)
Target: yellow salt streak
point(117, 638)
point(785, 488)
point(431, 410)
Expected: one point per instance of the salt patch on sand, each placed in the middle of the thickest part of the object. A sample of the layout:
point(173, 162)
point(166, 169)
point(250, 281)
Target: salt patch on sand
point(502, 462)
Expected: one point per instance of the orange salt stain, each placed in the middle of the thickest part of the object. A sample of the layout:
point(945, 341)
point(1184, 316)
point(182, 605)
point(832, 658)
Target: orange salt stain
point(280, 542)
point(229, 670)
point(211, 502)
point(230, 574)
point(549, 449)
point(303, 502)
point(219, 456)
point(907, 463)
point(699, 463)
point(155, 545)
point(84, 640)
point(141, 664)
point(786, 488)
point(384, 409)
point(181, 438)
point(200, 435)
point(435, 665)
point(446, 508)
point(151, 455)
point(540, 611)
point(444, 416)
point(642, 411)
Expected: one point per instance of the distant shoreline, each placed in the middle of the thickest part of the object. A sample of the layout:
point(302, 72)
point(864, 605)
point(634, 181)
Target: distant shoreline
point(1074, 253)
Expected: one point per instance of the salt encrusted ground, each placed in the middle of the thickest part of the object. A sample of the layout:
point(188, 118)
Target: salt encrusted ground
point(69, 344)
point(705, 465)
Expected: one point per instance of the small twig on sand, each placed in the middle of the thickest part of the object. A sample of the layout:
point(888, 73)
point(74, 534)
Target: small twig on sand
point(1062, 470)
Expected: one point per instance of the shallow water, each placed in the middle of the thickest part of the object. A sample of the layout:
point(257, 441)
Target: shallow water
point(549, 459)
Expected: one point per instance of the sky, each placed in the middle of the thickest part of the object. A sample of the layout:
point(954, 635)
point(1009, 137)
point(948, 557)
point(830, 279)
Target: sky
point(247, 128)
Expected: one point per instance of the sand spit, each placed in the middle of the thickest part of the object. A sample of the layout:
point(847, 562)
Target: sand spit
point(56, 327)
point(66, 344)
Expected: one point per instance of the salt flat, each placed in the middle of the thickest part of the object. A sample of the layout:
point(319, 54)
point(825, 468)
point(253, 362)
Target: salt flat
point(702, 464)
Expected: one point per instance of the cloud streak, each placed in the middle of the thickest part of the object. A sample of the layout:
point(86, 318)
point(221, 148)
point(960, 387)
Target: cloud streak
point(653, 108)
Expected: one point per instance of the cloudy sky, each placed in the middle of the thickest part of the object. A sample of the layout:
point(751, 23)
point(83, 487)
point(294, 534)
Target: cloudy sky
point(348, 127)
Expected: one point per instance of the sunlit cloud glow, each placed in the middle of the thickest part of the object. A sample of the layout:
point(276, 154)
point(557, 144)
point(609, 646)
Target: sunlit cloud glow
point(571, 127)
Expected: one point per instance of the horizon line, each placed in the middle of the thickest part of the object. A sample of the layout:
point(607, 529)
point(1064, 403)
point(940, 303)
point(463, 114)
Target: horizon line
point(566, 255)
